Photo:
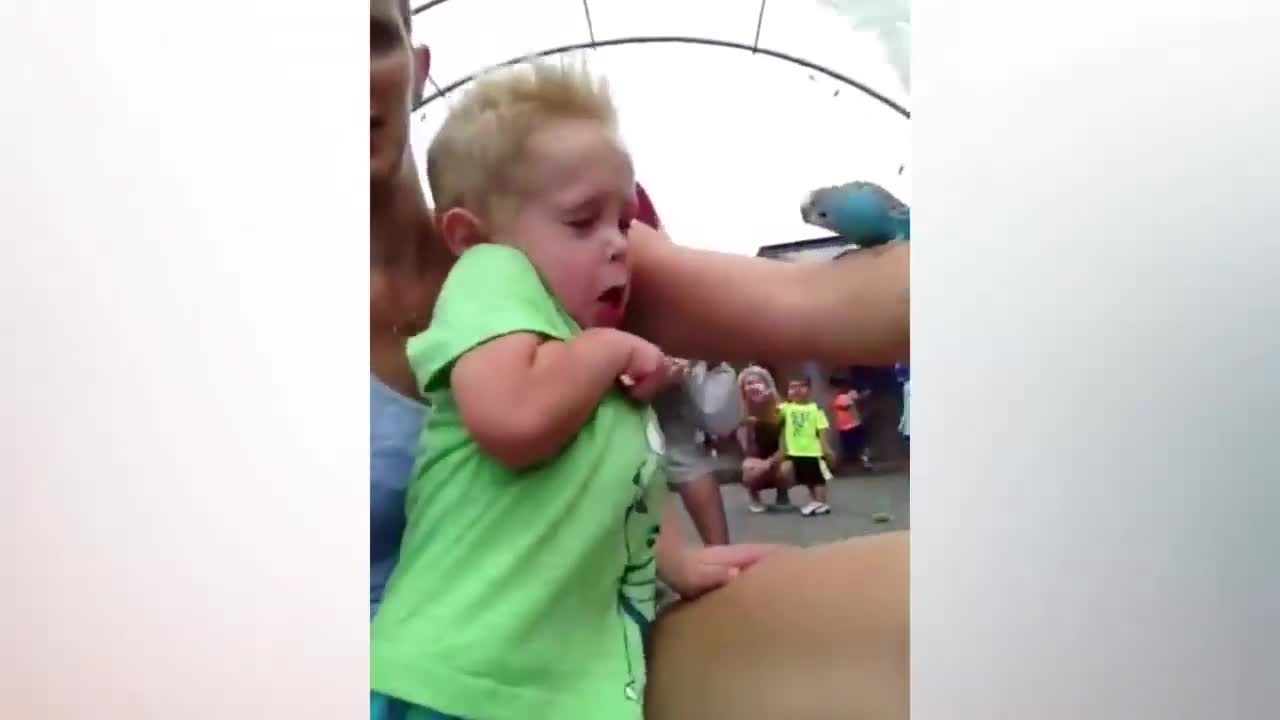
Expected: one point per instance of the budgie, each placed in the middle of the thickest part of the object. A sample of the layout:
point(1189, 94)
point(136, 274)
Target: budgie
point(863, 213)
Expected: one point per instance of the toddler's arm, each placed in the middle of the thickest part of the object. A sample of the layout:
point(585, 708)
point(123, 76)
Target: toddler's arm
point(824, 435)
point(523, 397)
point(827, 452)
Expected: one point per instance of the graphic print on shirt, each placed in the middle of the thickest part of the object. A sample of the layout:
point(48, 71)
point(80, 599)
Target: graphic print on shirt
point(637, 586)
point(800, 421)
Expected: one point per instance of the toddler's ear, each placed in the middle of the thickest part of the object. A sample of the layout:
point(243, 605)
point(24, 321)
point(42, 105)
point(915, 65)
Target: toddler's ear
point(461, 230)
point(421, 71)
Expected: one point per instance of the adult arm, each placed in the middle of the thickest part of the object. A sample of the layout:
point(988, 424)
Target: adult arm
point(746, 439)
point(700, 303)
point(781, 453)
point(839, 649)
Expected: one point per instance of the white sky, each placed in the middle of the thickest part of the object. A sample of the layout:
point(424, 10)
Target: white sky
point(726, 143)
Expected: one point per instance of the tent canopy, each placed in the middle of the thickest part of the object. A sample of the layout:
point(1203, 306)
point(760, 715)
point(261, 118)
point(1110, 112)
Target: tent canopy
point(733, 110)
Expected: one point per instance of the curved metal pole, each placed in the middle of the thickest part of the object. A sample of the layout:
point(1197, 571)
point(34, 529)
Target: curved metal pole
point(427, 6)
point(668, 39)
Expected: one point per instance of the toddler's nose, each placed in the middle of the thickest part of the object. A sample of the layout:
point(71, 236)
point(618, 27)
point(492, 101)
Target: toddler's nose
point(618, 246)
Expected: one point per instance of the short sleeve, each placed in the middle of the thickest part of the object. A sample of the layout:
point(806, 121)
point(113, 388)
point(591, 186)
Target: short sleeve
point(492, 290)
point(821, 419)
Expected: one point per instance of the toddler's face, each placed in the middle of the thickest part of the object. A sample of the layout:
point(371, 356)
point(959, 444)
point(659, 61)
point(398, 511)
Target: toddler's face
point(797, 391)
point(572, 220)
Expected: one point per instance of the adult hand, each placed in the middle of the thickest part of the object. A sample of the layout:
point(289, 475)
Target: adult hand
point(704, 569)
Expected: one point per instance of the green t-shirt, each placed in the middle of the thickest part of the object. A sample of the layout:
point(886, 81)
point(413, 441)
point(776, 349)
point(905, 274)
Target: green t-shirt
point(803, 425)
point(520, 595)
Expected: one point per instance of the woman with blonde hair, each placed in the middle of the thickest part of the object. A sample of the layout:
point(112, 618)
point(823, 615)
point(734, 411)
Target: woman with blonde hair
point(763, 466)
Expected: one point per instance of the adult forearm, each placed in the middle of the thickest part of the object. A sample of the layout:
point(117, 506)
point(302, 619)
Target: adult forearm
point(701, 303)
point(736, 653)
point(860, 306)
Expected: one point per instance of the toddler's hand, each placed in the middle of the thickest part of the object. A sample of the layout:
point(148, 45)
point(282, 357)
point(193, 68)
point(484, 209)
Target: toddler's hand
point(646, 372)
point(701, 570)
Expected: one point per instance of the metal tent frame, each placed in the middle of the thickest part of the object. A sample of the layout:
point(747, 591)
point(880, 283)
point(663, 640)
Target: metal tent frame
point(593, 43)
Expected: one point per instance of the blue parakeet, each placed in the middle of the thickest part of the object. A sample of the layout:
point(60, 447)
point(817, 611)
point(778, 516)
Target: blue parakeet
point(863, 213)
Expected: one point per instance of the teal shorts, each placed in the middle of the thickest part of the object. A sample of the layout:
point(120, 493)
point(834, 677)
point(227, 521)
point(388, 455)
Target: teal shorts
point(382, 707)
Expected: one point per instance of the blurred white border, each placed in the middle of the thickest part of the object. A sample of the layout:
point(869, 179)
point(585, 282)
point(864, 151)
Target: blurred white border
point(1095, 321)
point(1094, 326)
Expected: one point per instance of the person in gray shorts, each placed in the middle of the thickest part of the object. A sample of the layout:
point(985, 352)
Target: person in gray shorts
point(691, 467)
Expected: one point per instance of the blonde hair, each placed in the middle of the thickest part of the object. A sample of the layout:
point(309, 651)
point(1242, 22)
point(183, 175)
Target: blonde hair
point(765, 376)
point(477, 153)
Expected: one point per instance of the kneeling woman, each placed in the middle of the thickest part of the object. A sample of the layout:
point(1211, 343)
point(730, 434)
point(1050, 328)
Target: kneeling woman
point(763, 466)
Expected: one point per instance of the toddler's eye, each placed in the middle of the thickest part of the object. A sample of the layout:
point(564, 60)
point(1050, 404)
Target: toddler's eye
point(624, 224)
point(582, 224)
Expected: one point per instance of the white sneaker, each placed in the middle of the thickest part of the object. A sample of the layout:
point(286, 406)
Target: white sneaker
point(755, 507)
point(811, 508)
point(822, 509)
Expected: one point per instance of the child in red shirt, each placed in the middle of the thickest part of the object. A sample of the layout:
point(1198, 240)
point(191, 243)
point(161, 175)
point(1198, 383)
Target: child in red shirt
point(848, 422)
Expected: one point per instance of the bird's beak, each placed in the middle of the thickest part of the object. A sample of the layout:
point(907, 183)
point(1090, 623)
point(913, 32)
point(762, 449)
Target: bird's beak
point(806, 208)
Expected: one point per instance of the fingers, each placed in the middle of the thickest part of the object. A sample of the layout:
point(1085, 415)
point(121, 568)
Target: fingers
point(644, 389)
point(712, 567)
point(675, 370)
point(741, 556)
point(677, 367)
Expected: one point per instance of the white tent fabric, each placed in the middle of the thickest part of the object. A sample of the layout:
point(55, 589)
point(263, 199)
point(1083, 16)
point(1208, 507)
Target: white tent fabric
point(726, 141)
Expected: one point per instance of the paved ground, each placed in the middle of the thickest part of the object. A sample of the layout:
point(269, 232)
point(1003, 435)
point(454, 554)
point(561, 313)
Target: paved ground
point(854, 501)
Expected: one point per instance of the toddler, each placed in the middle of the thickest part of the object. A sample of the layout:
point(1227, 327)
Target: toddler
point(525, 584)
point(804, 443)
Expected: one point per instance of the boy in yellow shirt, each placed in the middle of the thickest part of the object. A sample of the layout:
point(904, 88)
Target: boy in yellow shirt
point(804, 442)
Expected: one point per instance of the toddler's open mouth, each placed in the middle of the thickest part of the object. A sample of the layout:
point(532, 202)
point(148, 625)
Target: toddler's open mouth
point(614, 295)
point(612, 304)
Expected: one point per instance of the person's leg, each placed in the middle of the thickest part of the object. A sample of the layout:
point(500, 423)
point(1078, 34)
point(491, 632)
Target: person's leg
point(845, 656)
point(690, 472)
point(861, 446)
point(783, 478)
point(848, 448)
point(690, 466)
point(809, 474)
point(701, 497)
point(820, 496)
point(754, 472)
